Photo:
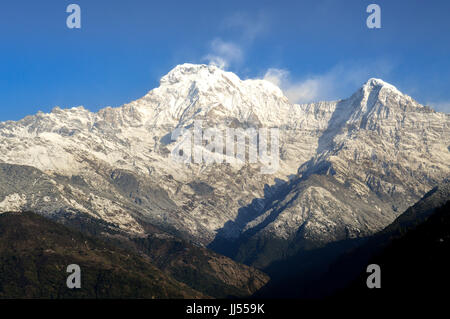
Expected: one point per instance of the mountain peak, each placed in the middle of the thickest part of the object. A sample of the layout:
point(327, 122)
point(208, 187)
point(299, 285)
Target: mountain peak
point(197, 72)
point(188, 69)
point(375, 83)
point(206, 76)
point(193, 90)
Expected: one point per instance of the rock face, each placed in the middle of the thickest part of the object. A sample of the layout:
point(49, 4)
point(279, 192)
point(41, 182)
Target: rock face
point(346, 168)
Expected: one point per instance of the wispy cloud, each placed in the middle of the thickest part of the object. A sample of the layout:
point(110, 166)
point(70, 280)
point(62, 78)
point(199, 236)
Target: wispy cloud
point(440, 106)
point(343, 78)
point(246, 28)
point(297, 92)
point(222, 53)
point(329, 85)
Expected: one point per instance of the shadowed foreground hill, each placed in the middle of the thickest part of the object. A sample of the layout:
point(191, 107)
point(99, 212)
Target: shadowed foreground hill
point(34, 254)
point(202, 269)
point(412, 253)
point(413, 266)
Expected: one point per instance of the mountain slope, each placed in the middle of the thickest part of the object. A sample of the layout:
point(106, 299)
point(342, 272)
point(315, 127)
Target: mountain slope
point(198, 267)
point(35, 252)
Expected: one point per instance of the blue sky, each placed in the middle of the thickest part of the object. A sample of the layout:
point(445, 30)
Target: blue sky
point(313, 49)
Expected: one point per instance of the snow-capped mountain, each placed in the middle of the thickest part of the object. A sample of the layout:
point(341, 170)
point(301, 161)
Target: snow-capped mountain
point(347, 168)
point(380, 152)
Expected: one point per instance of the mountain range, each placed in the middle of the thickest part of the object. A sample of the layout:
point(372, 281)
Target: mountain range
point(347, 168)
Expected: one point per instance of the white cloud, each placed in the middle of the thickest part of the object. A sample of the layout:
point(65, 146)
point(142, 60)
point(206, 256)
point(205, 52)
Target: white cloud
point(245, 29)
point(440, 106)
point(276, 76)
point(340, 80)
point(297, 92)
point(223, 53)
